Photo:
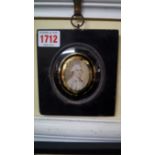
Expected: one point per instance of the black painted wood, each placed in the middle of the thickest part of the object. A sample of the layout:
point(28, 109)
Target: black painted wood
point(106, 43)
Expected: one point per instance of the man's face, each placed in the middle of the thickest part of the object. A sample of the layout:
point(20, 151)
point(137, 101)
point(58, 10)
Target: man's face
point(78, 73)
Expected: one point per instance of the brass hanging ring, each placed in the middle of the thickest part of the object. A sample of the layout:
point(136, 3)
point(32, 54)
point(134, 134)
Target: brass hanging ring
point(79, 21)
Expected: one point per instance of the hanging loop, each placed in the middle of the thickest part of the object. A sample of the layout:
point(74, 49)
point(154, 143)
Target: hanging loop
point(77, 20)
